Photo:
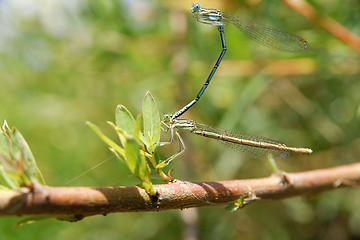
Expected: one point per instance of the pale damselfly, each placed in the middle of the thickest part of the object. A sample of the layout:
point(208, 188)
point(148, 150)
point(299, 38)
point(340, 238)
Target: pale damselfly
point(257, 147)
point(262, 34)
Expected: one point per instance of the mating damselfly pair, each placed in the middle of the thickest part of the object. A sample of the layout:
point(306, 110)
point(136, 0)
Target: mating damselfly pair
point(262, 34)
point(255, 146)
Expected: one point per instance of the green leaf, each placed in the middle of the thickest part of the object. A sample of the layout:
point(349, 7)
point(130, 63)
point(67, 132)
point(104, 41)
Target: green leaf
point(70, 217)
point(137, 127)
point(119, 157)
point(6, 181)
point(30, 166)
point(236, 205)
point(161, 165)
point(5, 152)
point(124, 121)
point(32, 219)
point(107, 140)
point(135, 162)
point(151, 120)
point(9, 175)
point(233, 207)
point(17, 163)
point(5, 128)
point(4, 144)
point(121, 134)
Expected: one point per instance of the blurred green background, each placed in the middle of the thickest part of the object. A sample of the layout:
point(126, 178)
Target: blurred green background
point(65, 62)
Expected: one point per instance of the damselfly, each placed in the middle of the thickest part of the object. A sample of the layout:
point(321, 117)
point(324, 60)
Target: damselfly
point(262, 34)
point(255, 146)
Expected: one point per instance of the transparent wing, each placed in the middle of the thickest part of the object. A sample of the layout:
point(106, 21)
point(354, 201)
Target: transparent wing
point(268, 36)
point(253, 151)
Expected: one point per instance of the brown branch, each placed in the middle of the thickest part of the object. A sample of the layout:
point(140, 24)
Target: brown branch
point(87, 201)
point(325, 22)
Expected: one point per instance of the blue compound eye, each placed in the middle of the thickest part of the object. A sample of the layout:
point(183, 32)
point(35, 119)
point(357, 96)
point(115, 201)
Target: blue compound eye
point(195, 7)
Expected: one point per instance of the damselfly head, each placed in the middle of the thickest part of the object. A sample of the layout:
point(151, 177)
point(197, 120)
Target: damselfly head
point(167, 118)
point(195, 7)
point(207, 15)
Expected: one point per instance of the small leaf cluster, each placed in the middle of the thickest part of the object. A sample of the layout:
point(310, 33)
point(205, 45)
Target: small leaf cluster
point(139, 138)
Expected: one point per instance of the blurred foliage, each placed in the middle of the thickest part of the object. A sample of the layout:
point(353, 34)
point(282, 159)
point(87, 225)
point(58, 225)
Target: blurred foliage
point(65, 62)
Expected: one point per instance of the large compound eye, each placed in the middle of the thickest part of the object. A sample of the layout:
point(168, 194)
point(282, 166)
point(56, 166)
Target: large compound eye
point(195, 7)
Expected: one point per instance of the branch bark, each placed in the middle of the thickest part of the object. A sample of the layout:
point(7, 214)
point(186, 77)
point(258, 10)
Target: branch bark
point(325, 22)
point(87, 201)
